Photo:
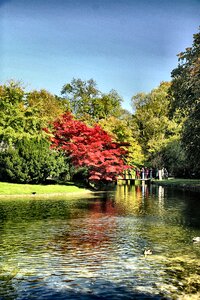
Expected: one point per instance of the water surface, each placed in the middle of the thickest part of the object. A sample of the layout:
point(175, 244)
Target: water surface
point(94, 248)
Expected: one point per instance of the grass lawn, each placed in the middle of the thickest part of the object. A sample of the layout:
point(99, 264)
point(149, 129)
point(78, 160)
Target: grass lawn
point(181, 182)
point(29, 189)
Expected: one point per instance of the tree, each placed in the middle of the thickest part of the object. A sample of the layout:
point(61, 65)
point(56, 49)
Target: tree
point(24, 114)
point(153, 120)
point(173, 156)
point(185, 88)
point(45, 105)
point(123, 130)
point(89, 147)
point(30, 161)
point(88, 103)
point(11, 111)
point(24, 148)
point(185, 93)
point(17, 119)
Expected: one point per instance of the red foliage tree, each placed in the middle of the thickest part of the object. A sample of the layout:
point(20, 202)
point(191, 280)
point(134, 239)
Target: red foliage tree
point(90, 147)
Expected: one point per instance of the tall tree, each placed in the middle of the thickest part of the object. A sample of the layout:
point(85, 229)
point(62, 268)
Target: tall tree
point(24, 114)
point(88, 103)
point(156, 127)
point(124, 130)
point(185, 91)
point(89, 147)
point(16, 119)
point(45, 105)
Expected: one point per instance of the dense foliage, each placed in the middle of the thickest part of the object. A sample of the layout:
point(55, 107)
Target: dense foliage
point(17, 121)
point(23, 115)
point(89, 147)
point(125, 130)
point(30, 161)
point(151, 115)
point(24, 148)
point(185, 93)
point(88, 103)
point(158, 131)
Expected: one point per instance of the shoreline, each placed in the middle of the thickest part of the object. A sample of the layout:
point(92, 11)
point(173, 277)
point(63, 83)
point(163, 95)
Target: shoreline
point(189, 187)
point(48, 195)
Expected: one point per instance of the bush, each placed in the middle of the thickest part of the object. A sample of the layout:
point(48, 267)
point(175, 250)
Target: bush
point(30, 161)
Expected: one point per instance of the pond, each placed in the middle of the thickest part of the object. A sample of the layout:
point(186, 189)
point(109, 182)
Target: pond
point(93, 248)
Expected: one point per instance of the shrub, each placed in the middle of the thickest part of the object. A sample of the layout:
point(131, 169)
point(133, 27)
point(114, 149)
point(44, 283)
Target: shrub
point(30, 161)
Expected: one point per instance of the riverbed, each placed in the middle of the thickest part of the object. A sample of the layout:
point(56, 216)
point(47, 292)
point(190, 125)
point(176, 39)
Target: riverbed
point(94, 248)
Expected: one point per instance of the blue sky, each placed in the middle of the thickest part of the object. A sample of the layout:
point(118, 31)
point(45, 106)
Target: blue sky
point(126, 45)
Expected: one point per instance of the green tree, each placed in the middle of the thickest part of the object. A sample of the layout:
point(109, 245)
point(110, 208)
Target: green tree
point(88, 103)
point(185, 92)
point(45, 105)
point(30, 161)
point(173, 156)
point(155, 126)
point(24, 151)
point(24, 114)
point(123, 130)
point(17, 119)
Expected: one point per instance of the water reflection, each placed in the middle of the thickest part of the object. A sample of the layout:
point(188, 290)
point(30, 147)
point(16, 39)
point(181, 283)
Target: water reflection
point(140, 200)
point(93, 248)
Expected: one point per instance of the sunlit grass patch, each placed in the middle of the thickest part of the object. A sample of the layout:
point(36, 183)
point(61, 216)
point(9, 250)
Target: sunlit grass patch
point(31, 189)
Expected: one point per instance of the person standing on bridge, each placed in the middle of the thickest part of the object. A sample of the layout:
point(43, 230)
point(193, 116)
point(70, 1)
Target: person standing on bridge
point(143, 173)
point(137, 173)
point(146, 173)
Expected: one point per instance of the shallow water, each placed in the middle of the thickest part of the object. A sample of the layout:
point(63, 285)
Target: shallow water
point(94, 248)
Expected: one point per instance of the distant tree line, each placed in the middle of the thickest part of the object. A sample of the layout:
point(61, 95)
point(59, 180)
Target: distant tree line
point(163, 130)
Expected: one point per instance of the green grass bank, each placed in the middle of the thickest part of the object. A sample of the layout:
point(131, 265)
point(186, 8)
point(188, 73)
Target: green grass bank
point(14, 189)
point(192, 185)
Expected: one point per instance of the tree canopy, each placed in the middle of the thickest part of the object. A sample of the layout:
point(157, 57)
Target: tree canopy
point(88, 103)
point(24, 148)
point(24, 114)
point(185, 92)
point(89, 147)
point(124, 130)
point(16, 119)
point(156, 128)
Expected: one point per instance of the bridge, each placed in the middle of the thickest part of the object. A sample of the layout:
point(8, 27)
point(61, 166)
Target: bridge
point(133, 181)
